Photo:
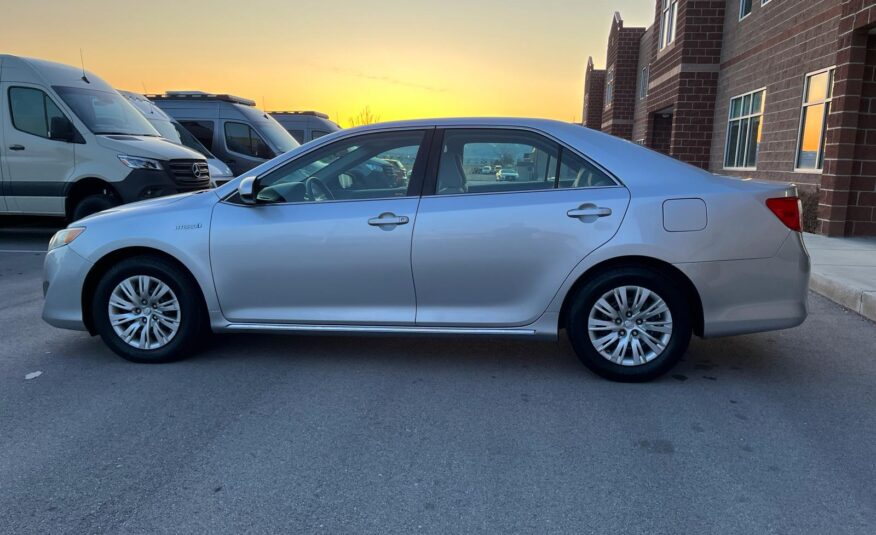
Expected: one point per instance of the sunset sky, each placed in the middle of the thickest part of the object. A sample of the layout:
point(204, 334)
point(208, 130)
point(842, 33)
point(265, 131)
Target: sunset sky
point(402, 58)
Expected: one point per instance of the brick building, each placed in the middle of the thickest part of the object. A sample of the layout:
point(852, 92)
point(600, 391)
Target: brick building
point(780, 90)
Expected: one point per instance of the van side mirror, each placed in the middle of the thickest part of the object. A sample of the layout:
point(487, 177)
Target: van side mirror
point(247, 190)
point(62, 130)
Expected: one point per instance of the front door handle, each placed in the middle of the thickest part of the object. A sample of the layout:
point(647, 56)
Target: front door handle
point(16, 147)
point(388, 219)
point(589, 211)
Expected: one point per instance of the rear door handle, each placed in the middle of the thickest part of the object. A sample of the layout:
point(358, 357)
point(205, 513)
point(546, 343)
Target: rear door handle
point(589, 211)
point(388, 219)
point(16, 147)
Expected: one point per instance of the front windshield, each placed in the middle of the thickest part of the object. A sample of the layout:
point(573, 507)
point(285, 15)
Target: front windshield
point(106, 112)
point(190, 141)
point(277, 136)
point(167, 131)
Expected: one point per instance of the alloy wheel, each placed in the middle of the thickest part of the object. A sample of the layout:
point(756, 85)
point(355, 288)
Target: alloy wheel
point(630, 325)
point(144, 312)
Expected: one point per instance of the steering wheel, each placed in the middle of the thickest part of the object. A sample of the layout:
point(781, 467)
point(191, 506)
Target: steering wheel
point(317, 191)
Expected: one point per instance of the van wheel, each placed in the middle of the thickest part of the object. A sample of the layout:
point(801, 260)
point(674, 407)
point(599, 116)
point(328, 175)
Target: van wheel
point(147, 309)
point(630, 324)
point(93, 204)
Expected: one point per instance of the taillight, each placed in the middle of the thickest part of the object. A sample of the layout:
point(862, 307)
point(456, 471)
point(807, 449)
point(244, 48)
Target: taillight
point(787, 209)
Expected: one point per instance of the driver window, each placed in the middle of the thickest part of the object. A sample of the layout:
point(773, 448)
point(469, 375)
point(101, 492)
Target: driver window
point(371, 166)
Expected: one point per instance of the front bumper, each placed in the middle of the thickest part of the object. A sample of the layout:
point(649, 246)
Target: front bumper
point(64, 274)
point(754, 295)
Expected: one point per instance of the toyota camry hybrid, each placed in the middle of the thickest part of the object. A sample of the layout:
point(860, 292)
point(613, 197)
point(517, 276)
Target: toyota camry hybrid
point(629, 251)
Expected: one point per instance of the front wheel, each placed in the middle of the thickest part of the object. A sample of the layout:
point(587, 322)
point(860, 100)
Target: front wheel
point(147, 309)
point(629, 325)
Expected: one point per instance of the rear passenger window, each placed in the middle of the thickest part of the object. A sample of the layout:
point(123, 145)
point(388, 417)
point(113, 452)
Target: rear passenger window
point(298, 135)
point(202, 130)
point(32, 111)
point(576, 172)
point(241, 138)
point(495, 161)
point(317, 133)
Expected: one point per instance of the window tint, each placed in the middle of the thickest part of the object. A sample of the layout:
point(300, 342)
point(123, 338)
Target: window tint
point(240, 137)
point(576, 172)
point(202, 130)
point(298, 135)
point(371, 166)
point(32, 111)
point(491, 161)
point(317, 133)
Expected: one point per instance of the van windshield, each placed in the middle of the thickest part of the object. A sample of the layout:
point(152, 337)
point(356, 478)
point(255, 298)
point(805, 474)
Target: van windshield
point(105, 112)
point(277, 136)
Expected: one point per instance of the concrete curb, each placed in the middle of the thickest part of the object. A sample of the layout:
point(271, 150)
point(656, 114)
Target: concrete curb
point(855, 299)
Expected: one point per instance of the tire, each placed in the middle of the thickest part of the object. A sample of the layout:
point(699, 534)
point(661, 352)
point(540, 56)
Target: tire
point(649, 335)
point(192, 326)
point(93, 204)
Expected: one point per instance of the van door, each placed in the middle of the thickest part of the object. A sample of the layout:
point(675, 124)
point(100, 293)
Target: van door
point(37, 168)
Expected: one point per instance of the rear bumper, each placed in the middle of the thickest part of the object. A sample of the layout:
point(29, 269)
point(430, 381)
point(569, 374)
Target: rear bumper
point(755, 295)
point(64, 273)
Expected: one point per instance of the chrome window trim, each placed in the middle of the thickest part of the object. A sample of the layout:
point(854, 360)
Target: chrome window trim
point(319, 144)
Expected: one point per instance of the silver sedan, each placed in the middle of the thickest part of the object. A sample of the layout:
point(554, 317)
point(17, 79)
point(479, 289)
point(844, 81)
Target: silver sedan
point(627, 250)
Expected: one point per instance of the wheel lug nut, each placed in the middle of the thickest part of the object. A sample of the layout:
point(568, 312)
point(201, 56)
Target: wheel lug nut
point(629, 314)
point(143, 320)
point(136, 311)
point(623, 333)
point(638, 322)
point(635, 333)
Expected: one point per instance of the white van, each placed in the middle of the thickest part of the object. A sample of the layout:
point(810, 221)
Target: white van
point(70, 145)
point(305, 125)
point(231, 127)
point(171, 130)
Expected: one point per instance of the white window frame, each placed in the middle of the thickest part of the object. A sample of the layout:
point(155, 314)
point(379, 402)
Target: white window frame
point(764, 2)
point(827, 109)
point(644, 80)
point(609, 86)
point(740, 119)
point(742, 3)
point(668, 13)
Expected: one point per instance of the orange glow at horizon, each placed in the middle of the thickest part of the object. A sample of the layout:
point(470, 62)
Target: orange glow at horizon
point(403, 59)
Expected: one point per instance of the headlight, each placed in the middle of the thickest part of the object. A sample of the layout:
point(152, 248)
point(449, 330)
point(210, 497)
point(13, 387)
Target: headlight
point(65, 236)
point(136, 162)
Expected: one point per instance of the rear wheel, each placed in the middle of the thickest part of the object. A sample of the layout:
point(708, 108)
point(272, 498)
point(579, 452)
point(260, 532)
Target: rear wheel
point(147, 309)
point(630, 324)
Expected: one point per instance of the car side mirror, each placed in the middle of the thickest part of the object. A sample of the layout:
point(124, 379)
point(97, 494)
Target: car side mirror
point(61, 130)
point(247, 190)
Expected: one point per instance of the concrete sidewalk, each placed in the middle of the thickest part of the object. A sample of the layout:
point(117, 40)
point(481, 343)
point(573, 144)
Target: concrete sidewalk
point(844, 271)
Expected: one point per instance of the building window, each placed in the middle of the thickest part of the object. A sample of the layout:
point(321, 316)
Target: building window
point(668, 16)
point(643, 82)
point(744, 131)
point(609, 86)
point(744, 8)
point(764, 2)
point(817, 96)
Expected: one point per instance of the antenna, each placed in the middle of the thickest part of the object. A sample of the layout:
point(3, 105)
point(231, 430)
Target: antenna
point(145, 92)
point(82, 61)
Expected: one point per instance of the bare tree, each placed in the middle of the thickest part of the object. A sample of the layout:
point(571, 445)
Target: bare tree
point(364, 117)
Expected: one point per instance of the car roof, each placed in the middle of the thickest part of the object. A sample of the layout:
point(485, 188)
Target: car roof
point(641, 169)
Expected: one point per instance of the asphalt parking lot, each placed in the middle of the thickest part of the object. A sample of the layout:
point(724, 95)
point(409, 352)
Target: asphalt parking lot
point(767, 433)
